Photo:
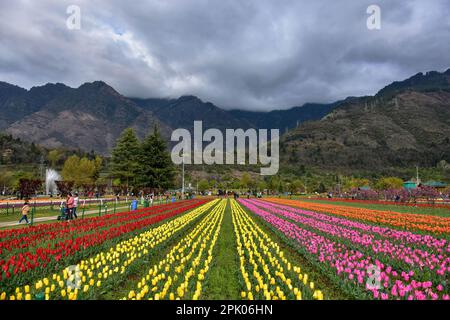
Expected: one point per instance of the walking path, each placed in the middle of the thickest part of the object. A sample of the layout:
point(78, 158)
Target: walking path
point(48, 218)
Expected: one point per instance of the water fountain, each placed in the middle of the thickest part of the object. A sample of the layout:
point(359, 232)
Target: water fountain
point(50, 177)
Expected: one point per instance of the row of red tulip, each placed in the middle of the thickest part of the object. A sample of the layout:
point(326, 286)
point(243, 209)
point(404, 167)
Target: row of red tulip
point(56, 250)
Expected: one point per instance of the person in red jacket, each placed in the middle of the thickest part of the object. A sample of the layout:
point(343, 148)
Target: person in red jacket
point(69, 206)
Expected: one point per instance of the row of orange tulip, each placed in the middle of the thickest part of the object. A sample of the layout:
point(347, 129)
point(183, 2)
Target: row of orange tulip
point(407, 221)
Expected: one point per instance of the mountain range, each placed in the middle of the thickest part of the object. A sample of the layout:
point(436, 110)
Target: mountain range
point(405, 123)
point(92, 116)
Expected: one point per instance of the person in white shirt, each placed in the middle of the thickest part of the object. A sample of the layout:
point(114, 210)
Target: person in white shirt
point(76, 200)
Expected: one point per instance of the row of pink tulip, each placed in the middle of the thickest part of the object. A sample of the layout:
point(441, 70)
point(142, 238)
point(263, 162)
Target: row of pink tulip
point(434, 259)
point(353, 267)
point(403, 236)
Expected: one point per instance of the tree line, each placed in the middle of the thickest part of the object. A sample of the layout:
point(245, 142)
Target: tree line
point(134, 166)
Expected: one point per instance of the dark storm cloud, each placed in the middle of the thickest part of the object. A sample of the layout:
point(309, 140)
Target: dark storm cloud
point(256, 54)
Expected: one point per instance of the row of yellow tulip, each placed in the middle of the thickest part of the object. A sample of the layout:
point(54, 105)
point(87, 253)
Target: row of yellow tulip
point(266, 272)
point(181, 273)
point(78, 281)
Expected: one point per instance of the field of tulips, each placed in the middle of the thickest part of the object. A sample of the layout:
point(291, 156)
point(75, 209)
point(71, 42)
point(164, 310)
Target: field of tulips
point(405, 221)
point(265, 270)
point(436, 204)
point(255, 249)
point(181, 273)
point(80, 281)
point(29, 253)
point(364, 259)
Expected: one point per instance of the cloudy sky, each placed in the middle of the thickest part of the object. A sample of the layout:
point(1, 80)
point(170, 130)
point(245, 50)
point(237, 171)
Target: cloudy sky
point(248, 54)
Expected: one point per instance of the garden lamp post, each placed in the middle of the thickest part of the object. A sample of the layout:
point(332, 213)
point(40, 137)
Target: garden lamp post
point(182, 187)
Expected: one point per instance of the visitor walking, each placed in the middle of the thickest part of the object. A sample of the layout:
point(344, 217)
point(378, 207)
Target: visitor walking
point(69, 206)
point(76, 200)
point(25, 211)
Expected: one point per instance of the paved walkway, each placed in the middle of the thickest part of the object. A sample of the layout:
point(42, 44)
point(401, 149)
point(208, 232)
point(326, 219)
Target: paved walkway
point(48, 218)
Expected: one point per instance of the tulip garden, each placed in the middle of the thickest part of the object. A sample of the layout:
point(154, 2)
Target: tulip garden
point(250, 249)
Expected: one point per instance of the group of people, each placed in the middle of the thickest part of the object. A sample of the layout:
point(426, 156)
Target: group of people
point(150, 198)
point(70, 208)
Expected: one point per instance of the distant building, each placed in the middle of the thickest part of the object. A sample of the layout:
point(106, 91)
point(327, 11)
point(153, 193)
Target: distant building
point(7, 155)
point(435, 184)
point(409, 184)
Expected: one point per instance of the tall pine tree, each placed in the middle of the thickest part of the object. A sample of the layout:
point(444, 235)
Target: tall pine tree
point(124, 158)
point(155, 168)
